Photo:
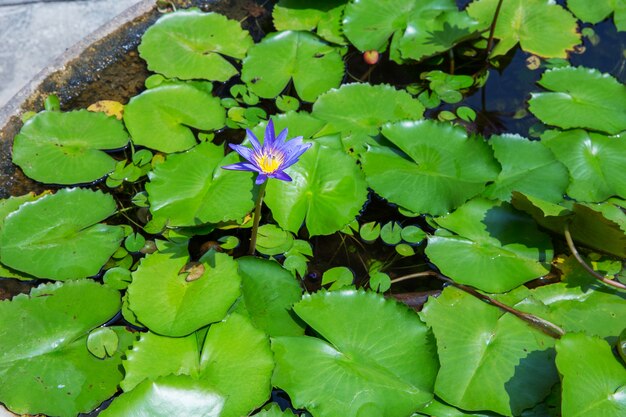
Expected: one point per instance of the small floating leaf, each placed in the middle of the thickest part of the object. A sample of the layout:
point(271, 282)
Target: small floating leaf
point(528, 167)
point(595, 163)
point(103, 342)
point(339, 277)
point(160, 118)
point(593, 380)
point(355, 373)
point(443, 167)
point(581, 97)
point(364, 108)
point(323, 15)
point(314, 66)
point(44, 355)
point(191, 188)
point(497, 248)
point(272, 240)
point(541, 27)
point(598, 10)
point(67, 148)
point(190, 45)
point(327, 192)
point(168, 304)
point(59, 237)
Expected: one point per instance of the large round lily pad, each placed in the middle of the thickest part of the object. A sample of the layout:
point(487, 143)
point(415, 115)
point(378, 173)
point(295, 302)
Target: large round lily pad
point(68, 148)
point(314, 66)
point(191, 44)
point(44, 362)
point(160, 118)
point(58, 236)
point(379, 358)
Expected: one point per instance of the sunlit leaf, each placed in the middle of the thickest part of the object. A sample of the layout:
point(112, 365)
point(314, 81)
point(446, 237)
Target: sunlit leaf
point(314, 66)
point(191, 188)
point(541, 27)
point(356, 372)
point(595, 163)
point(363, 107)
point(44, 361)
point(192, 44)
point(443, 167)
point(528, 167)
point(497, 248)
point(68, 148)
point(598, 10)
point(327, 192)
point(323, 15)
point(593, 380)
point(417, 29)
point(59, 237)
point(167, 303)
point(581, 97)
point(507, 365)
point(161, 118)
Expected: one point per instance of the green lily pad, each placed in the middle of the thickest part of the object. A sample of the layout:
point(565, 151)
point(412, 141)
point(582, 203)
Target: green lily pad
point(595, 163)
point(323, 15)
point(44, 355)
point(598, 10)
point(581, 97)
point(167, 303)
point(418, 29)
point(191, 188)
point(268, 293)
point(443, 167)
point(59, 237)
point(528, 167)
point(161, 118)
point(497, 248)
point(234, 358)
point(272, 240)
point(173, 395)
point(274, 411)
point(327, 192)
point(68, 148)
point(314, 66)
point(507, 365)
point(361, 107)
point(193, 45)
point(540, 27)
point(594, 382)
point(355, 372)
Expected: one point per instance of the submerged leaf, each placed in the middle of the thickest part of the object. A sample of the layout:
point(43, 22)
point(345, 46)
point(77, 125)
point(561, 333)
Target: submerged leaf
point(442, 169)
point(379, 358)
point(67, 148)
point(191, 45)
point(161, 118)
point(44, 361)
point(314, 66)
point(497, 248)
point(581, 97)
point(541, 27)
point(59, 237)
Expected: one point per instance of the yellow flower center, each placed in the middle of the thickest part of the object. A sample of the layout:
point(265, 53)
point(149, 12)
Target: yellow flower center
point(268, 162)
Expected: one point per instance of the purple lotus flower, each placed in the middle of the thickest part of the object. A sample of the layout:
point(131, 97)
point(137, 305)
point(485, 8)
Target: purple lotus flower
point(272, 158)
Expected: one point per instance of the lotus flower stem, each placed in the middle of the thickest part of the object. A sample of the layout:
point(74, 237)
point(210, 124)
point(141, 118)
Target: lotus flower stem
point(257, 218)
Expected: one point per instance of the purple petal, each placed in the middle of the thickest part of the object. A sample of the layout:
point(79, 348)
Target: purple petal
point(295, 153)
point(260, 179)
point(241, 166)
point(244, 151)
point(253, 140)
point(281, 175)
point(269, 134)
point(282, 137)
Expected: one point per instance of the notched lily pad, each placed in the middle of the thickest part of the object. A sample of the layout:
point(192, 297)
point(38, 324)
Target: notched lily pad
point(581, 97)
point(323, 15)
point(59, 236)
point(160, 118)
point(314, 66)
point(193, 45)
point(68, 148)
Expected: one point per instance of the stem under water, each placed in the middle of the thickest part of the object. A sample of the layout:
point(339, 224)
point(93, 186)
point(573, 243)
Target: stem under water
point(257, 217)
